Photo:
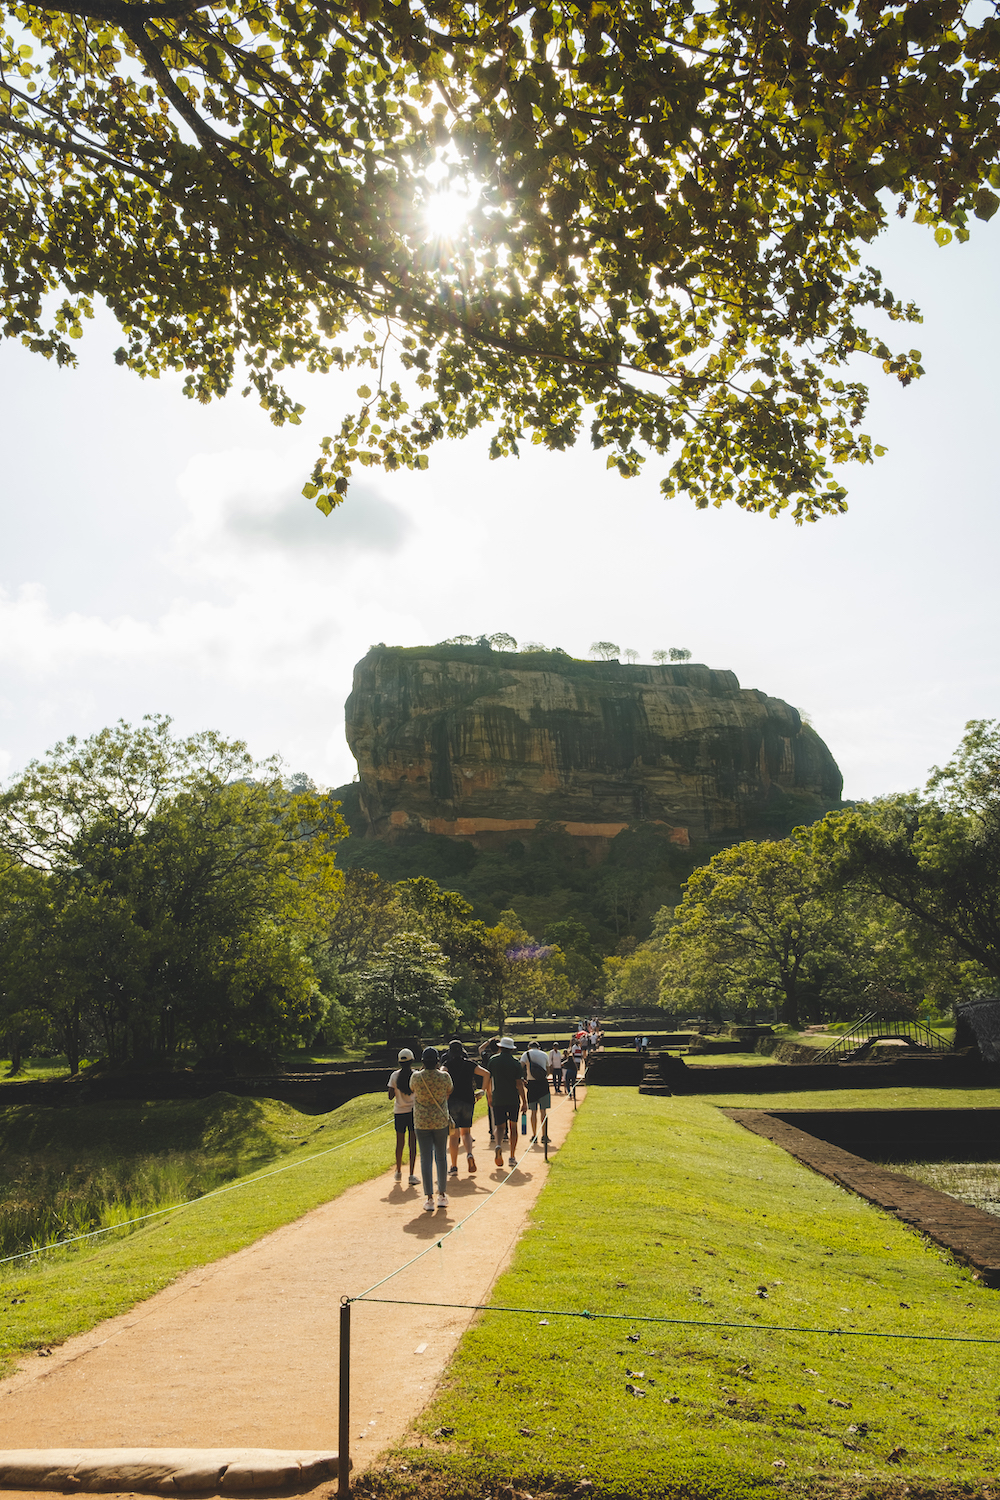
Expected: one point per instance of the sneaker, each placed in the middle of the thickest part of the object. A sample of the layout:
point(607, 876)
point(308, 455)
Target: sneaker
point(512, 1162)
point(472, 1162)
point(442, 1200)
point(428, 1205)
point(397, 1176)
point(413, 1180)
point(453, 1171)
point(498, 1157)
point(534, 1140)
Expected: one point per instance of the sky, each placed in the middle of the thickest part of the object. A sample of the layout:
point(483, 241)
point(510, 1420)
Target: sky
point(158, 557)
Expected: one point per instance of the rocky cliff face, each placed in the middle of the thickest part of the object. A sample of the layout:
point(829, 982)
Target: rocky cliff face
point(483, 745)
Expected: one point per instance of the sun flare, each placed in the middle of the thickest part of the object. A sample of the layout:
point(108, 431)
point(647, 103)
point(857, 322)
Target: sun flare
point(447, 213)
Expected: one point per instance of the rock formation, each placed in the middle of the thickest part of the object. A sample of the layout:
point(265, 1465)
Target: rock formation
point(486, 746)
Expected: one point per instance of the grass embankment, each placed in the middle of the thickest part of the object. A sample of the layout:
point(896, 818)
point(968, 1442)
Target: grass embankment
point(64, 1172)
point(66, 1291)
point(666, 1208)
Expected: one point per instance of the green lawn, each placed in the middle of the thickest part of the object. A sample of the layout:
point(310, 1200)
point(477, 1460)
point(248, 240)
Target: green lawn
point(35, 1068)
point(70, 1290)
point(956, 1097)
point(666, 1208)
point(727, 1060)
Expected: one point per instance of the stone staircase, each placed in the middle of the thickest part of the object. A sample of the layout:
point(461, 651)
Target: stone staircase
point(652, 1078)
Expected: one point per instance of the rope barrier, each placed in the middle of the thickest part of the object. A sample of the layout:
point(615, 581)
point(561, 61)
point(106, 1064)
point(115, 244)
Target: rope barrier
point(177, 1207)
point(556, 1312)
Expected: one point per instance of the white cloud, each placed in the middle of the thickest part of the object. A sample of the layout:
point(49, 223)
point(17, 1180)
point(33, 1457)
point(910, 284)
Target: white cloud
point(178, 568)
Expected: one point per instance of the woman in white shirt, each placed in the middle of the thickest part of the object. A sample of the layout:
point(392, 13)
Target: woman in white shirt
point(400, 1092)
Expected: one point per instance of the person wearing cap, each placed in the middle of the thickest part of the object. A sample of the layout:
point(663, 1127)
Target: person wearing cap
point(431, 1087)
point(509, 1097)
point(402, 1113)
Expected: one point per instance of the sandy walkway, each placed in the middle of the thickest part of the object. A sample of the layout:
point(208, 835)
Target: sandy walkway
point(244, 1351)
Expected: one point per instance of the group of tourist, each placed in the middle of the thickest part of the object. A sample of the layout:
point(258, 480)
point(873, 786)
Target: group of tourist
point(433, 1105)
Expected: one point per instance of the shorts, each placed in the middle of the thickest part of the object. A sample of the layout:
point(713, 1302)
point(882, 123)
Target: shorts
point(461, 1111)
point(504, 1112)
point(404, 1122)
point(544, 1101)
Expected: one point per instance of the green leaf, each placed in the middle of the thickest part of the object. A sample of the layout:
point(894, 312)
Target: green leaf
point(985, 204)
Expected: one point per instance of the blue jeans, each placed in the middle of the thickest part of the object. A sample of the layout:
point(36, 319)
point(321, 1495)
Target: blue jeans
point(433, 1147)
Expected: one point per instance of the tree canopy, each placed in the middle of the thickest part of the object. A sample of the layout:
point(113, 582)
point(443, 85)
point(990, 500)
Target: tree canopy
point(666, 212)
point(935, 857)
point(159, 895)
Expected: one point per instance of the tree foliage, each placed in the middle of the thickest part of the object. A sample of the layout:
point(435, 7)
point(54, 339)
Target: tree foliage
point(753, 926)
point(157, 901)
point(407, 988)
point(668, 206)
point(937, 858)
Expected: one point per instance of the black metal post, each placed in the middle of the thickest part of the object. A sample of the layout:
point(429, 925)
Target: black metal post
point(344, 1404)
point(545, 1137)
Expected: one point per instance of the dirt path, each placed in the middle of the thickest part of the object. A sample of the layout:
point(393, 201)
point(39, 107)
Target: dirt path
point(244, 1351)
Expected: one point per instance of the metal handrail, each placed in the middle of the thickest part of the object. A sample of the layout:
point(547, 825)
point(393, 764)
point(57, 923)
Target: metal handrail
point(876, 1025)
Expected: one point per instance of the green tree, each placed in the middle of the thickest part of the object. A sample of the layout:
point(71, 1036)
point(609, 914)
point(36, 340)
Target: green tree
point(172, 900)
point(407, 987)
point(753, 927)
point(939, 865)
point(581, 961)
point(667, 209)
point(606, 650)
point(633, 981)
point(366, 914)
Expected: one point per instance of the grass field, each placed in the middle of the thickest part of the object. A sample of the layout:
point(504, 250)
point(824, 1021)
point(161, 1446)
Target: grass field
point(35, 1068)
point(664, 1208)
point(44, 1301)
point(727, 1060)
point(65, 1171)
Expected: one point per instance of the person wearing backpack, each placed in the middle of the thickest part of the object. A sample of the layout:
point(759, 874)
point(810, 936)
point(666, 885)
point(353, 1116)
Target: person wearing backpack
point(468, 1078)
point(535, 1064)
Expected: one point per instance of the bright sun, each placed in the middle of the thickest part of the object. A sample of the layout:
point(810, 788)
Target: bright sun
point(446, 214)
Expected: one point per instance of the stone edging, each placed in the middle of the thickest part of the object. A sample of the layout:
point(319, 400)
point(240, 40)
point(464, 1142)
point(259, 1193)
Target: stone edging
point(163, 1471)
point(970, 1234)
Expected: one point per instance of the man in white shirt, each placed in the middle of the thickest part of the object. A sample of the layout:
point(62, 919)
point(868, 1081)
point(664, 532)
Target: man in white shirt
point(535, 1064)
point(556, 1067)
